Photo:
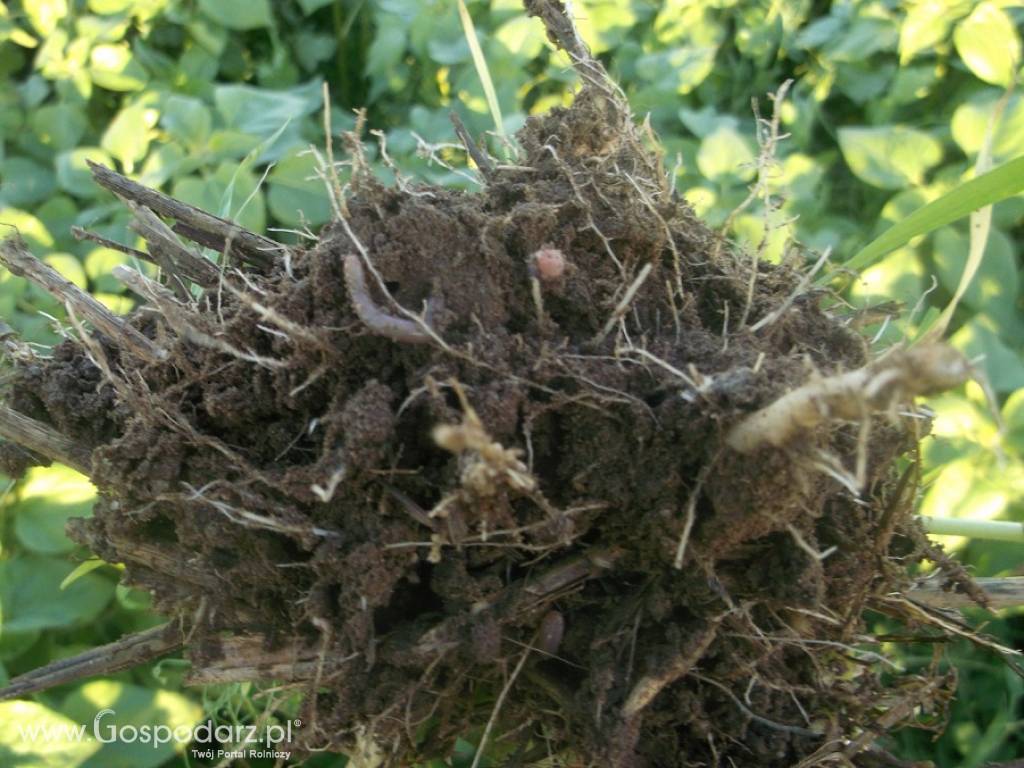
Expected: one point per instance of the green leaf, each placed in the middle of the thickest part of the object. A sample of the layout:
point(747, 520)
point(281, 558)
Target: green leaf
point(309, 7)
point(522, 36)
point(603, 24)
point(132, 706)
point(186, 120)
point(73, 174)
point(99, 263)
point(45, 15)
point(161, 165)
point(36, 235)
point(994, 288)
point(891, 156)
point(106, 7)
point(1013, 417)
point(925, 26)
point(898, 277)
point(989, 44)
point(69, 268)
point(24, 182)
point(971, 119)
point(127, 136)
point(265, 113)
point(296, 195)
point(1002, 365)
point(679, 70)
point(239, 14)
point(112, 67)
point(51, 496)
point(31, 597)
point(59, 127)
point(725, 153)
point(991, 187)
point(20, 720)
point(225, 192)
point(13, 644)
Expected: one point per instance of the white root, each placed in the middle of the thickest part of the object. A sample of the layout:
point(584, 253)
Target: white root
point(893, 378)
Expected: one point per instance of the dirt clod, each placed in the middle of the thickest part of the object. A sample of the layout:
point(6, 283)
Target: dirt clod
point(509, 439)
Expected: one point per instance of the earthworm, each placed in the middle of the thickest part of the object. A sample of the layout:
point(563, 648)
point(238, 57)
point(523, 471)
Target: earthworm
point(374, 318)
point(552, 627)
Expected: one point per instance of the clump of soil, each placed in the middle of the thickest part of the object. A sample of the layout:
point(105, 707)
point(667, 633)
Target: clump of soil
point(461, 469)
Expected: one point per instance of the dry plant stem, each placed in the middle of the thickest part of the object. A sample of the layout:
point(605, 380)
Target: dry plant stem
point(46, 441)
point(898, 376)
point(83, 234)
point(15, 256)
point(1006, 592)
point(128, 652)
point(248, 657)
point(170, 254)
point(479, 157)
point(374, 318)
point(254, 248)
point(562, 32)
point(623, 306)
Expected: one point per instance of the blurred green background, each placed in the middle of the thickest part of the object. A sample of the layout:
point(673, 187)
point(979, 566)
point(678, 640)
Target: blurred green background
point(218, 101)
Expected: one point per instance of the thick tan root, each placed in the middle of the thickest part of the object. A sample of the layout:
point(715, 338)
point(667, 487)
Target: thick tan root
point(897, 377)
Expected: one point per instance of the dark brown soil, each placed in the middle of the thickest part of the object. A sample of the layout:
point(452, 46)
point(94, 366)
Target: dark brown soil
point(306, 495)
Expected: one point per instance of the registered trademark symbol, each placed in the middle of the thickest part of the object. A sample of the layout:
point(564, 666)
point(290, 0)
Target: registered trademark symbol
point(297, 723)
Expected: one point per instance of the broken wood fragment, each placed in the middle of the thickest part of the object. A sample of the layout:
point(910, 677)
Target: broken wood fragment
point(253, 248)
point(43, 440)
point(1004, 592)
point(128, 652)
point(15, 256)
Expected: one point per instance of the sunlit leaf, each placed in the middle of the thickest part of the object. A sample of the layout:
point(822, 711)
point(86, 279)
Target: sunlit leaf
point(45, 15)
point(131, 706)
point(891, 156)
point(989, 44)
point(53, 495)
point(971, 119)
point(23, 725)
point(128, 135)
point(726, 152)
point(112, 67)
point(925, 25)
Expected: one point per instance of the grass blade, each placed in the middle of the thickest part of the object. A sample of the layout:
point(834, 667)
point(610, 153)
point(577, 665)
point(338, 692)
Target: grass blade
point(981, 220)
point(483, 72)
point(989, 188)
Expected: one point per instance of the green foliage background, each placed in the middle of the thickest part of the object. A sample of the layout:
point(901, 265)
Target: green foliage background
point(218, 101)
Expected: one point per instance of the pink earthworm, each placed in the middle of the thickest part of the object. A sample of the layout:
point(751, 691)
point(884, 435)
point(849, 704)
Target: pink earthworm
point(374, 318)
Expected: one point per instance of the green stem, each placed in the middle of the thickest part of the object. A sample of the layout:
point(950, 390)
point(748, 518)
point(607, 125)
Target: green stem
point(996, 530)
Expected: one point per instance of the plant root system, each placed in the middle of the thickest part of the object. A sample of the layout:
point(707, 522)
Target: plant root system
point(497, 465)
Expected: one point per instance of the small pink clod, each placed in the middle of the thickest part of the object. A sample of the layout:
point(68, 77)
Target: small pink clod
point(548, 262)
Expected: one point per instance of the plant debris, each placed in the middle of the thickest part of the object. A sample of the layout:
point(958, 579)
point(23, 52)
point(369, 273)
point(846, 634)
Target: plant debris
point(496, 465)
